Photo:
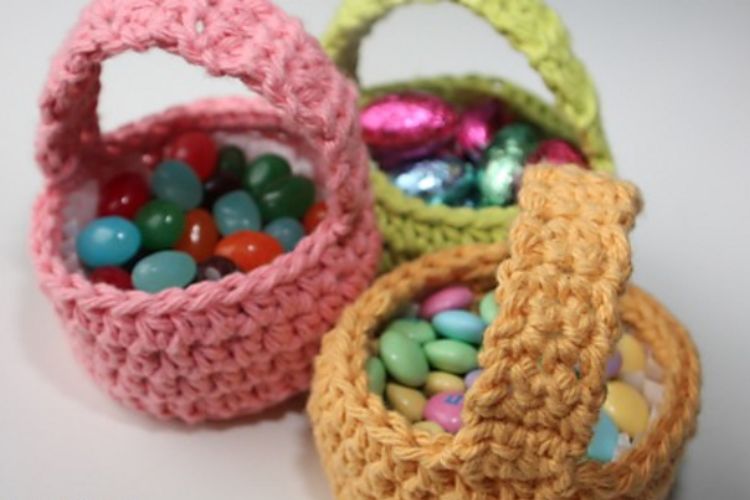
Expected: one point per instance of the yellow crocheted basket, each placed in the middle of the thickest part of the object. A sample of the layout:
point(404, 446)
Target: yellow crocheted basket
point(528, 419)
point(409, 226)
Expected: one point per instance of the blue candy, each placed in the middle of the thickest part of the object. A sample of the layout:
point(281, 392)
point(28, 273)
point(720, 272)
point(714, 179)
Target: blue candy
point(460, 325)
point(176, 182)
point(287, 231)
point(109, 241)
point(236, 211)
point(162, 270)
point(604, 443)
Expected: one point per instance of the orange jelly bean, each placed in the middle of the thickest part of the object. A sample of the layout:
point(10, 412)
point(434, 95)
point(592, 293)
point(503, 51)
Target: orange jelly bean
point(249, 249)
point(315, 216)
point(200, 235)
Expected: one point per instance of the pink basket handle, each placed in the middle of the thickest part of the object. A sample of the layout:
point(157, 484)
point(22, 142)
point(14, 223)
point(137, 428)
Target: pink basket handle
point(251, 40)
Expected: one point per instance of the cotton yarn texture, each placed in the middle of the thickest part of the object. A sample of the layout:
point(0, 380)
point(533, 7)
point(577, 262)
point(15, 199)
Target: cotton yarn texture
point(528, 419)
point(217, 349)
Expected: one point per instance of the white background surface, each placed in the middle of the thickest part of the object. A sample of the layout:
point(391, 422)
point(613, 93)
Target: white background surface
point(674, 78)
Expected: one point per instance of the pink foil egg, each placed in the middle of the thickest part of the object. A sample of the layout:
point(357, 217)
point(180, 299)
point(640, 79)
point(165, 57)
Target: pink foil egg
point(478, 125)
point(557, 152)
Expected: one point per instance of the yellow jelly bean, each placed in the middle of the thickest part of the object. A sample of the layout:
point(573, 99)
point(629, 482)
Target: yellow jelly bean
point(430, 427)
point(443, 382)
point(627, 407)
point(633, 354)
point(408, 402)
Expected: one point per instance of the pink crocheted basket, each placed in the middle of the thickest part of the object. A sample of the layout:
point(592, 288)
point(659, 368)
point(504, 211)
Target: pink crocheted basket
point(215, 350)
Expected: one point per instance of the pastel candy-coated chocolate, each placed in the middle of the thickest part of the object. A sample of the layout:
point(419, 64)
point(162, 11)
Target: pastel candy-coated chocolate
point(472, 377)
point(197, 149)
point(162, 270)
point(232, 161)
point(478, 124)
point(249, 249)
point(176, 182)
point(236, 211)
point(215, 268)
point(407, 401)
point(633, 354)
point(161, 224)
point(557, 152)
point(403, 358)
point(200, 236)
point(438, 382)
point(445, 410)
point(375, 375)
point(418, 330)
point(451, 356)
point(115, 276)
point(604, 442)
point(460, 325)
point(614, 364)
point(627, 408)
point(287, 231)
point(430, 427)
point(265, 170)
point(108, 241)
point(290, 197)
point(488, 308)
point(123, 195)
point(452, 297)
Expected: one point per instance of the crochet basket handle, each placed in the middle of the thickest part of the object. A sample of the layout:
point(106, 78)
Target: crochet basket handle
point(532, 412)
point(531, 27)
point(251, 40)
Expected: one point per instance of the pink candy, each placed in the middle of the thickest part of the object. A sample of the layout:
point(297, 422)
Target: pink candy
point(557, 152)
point(478, 125)
point(452, 297)
point(445, 410)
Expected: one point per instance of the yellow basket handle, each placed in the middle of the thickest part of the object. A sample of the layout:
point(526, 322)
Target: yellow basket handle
point(530, 416)
point(531, 27)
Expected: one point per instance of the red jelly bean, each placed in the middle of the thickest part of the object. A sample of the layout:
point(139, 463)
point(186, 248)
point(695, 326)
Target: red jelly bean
point(123, 195)
point(249, 249)
point(114, 276)
point(315, 216)
point(200, 235)
point(197, 149)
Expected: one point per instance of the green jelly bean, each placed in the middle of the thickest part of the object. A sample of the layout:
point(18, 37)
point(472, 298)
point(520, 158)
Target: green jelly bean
point(160, 223)
point(232, 161)
point(418, 330)
point(403, 358)
point(375, 375)
point(451, 356)
point(265, 170)
point(290, 197)
point(488, 308)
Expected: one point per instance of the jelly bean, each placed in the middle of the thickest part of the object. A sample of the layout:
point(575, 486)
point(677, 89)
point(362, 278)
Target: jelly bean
point(315, 216)
point(287, 231)
point(236, 211)
point(197, 149)
point(418, 330)
point(614, 364)
point(438, 382)
point(108, 241)
point(488, 308)
point(445, 410)
point(451, 356)
point(162, 270)
point(249, 249)
point(627, 408)
point(200, 235)
point(115, 276)
point(161, 224)
point(375, 375)
point(460, 325)
point(498, 176)
point(429, 427)
point(471, 377)
point(218, 185)
point(403, 358)
point(408, 402)
point(215, 269)
point(123, 195)
point(176, 182)
point(265, 170)
point(633, 354)
point(452, 297)
point(436, 180)
point(478, 125)
point(556, 152)
point(232, 161)
point(518, 138)
point(604, 443)
point(290, 197)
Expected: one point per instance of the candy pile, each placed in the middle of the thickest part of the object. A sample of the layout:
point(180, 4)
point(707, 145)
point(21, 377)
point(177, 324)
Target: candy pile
point(472, 158)
point(427, 360)
point(204, 213)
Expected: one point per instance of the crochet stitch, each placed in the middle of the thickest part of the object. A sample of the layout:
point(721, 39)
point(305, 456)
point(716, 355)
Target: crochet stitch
point(221, 349)
point(528, 419)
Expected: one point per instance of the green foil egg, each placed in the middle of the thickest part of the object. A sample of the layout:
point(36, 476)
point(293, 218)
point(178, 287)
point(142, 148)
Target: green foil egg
point(517, 138)
point(498, 177)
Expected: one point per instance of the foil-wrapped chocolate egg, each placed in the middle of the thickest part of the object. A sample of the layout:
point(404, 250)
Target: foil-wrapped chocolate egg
point(478, 124)
point(518, 138)
point(500, 174)
point(557, 152)
point(445, 181)
point(407, 125)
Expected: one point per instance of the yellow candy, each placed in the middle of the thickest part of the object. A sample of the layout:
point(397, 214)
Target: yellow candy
point(430, 427)
point(633, 354)
point(408, 402)
point(627, 407)
point(443, 382)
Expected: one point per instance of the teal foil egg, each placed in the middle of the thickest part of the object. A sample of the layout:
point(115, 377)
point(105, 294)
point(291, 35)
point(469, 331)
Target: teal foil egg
point(517, 138)
point(498, 177)
point(447, 181)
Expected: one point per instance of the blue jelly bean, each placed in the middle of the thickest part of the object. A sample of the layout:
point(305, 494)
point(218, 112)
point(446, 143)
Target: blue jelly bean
point(236, 211)
point(108, 241)
point(287, 231)
point(460, 325)
point(162, 270)
point(176, 182)
point(604, 443)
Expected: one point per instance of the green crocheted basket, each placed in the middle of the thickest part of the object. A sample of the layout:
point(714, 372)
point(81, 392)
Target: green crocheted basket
point(409, 226)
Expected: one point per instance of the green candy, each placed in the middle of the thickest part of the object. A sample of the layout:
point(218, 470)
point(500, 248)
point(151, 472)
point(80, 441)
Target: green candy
point(289, 197)
point(451, 356)
point(375, 375)
point(161, 224)
point(518, 138)
point(498, 178)
point(264, 171)
point(488, 308)
point(418, 330)
point(403, 358)
point(232, 161)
